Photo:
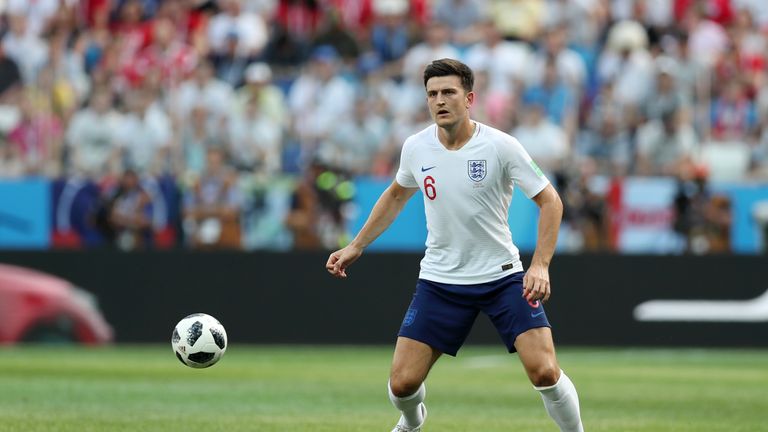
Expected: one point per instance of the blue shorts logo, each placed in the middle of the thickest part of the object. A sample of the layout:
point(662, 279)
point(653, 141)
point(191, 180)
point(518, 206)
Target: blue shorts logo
point(410, 316)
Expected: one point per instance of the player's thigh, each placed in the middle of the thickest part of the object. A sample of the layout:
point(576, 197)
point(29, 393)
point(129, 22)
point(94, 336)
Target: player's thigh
point(536, 351)
point(410, 365)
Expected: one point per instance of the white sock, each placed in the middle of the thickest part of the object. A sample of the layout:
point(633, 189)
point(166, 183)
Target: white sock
point(410, 405)
point(562, 404)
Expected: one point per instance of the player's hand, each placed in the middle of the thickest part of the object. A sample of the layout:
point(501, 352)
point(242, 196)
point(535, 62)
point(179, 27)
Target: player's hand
point(536, 283)
point(341, 259)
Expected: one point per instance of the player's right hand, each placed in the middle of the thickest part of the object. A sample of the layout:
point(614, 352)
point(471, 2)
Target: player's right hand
point(341, 259)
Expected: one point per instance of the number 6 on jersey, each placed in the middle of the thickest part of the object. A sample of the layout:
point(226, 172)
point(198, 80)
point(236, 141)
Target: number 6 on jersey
point(429, 187)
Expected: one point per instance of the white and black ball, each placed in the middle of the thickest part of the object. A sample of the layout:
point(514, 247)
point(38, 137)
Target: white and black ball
point(199, 340)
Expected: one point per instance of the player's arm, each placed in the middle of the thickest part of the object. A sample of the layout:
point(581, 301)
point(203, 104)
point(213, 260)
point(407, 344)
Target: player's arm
point(388, 206)
point(536, 281)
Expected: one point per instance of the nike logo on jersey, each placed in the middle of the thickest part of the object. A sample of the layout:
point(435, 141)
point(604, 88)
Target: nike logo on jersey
point(427, 168)
point(536, 314)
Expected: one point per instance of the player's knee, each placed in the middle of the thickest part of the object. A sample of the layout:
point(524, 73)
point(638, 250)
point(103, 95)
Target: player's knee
point(402, 385)
point(544, 375)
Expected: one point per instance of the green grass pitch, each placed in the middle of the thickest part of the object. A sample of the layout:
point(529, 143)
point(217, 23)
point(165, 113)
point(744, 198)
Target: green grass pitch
point(324, 389)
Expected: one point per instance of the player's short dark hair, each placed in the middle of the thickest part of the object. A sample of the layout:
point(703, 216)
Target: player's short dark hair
point(448, 67)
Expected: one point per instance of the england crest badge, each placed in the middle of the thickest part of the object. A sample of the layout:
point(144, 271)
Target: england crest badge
point(476, 169)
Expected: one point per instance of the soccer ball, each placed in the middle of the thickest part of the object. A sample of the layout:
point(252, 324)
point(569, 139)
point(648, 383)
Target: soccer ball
point(199, 340)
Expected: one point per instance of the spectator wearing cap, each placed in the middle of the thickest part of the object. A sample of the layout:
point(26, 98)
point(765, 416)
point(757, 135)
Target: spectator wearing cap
point(665, 95)
point(627, 62)
point(390, 35)
point(259, 89)
point(320, 97)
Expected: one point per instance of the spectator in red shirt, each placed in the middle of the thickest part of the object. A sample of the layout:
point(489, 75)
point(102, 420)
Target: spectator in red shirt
point(168, 54)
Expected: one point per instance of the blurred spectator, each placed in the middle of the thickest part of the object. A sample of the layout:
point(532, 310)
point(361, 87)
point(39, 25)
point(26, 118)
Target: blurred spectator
point(212, 206)
point(316, 218)
point(168, 54)
point(585, 213)
point(436, 45)
point(92, 137)
point(203, 88)
point(351, 147)
point(125, 214)
point(332, 33)
point(627, 63)
point(233, 25)
point(505, 61)
point(38, 136)
point(10, 75)
point(255, 140)
point(606, 141)
point(299, 19)
point(519, 19)
point(319, 97)
point(707, 40)
point(702, 218)
point(25, 48)
point(259, 89)
point(733, 114)
point(11, 165)
point(144, 135)
point(463, 17)
point(544, 140)
point(198, 133)
point(390, 36)
point(557, 99)
point(569, 64)
point(665, 95)
point(584, 19)
point(492, 106)
point(665, 143)
point(230, 64)
point(39, 13)
point(355, 16)
point(70, 81)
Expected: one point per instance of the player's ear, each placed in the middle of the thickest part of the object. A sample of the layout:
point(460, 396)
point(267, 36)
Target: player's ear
point(470, 99)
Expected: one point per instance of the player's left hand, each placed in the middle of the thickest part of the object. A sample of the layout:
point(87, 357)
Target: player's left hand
point(536, 283)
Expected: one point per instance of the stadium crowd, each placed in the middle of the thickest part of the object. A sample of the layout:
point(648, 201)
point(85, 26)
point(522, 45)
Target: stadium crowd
point(229, 101)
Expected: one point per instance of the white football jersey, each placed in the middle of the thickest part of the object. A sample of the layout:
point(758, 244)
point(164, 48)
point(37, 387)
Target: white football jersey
point(467, 193)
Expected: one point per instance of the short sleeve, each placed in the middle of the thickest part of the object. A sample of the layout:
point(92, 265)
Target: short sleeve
point(404, 175)
point(521, 169)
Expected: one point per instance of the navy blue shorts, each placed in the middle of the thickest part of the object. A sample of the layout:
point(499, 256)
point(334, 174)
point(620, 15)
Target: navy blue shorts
point(441, 315)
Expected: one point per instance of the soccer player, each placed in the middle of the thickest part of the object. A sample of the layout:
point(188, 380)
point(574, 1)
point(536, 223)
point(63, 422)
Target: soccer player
point(466, 172)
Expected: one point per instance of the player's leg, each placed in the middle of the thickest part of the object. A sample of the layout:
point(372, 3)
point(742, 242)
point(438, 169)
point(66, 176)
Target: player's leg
point(524, 327)
point(437, 322)
point(537, 354)
point(410, 365)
